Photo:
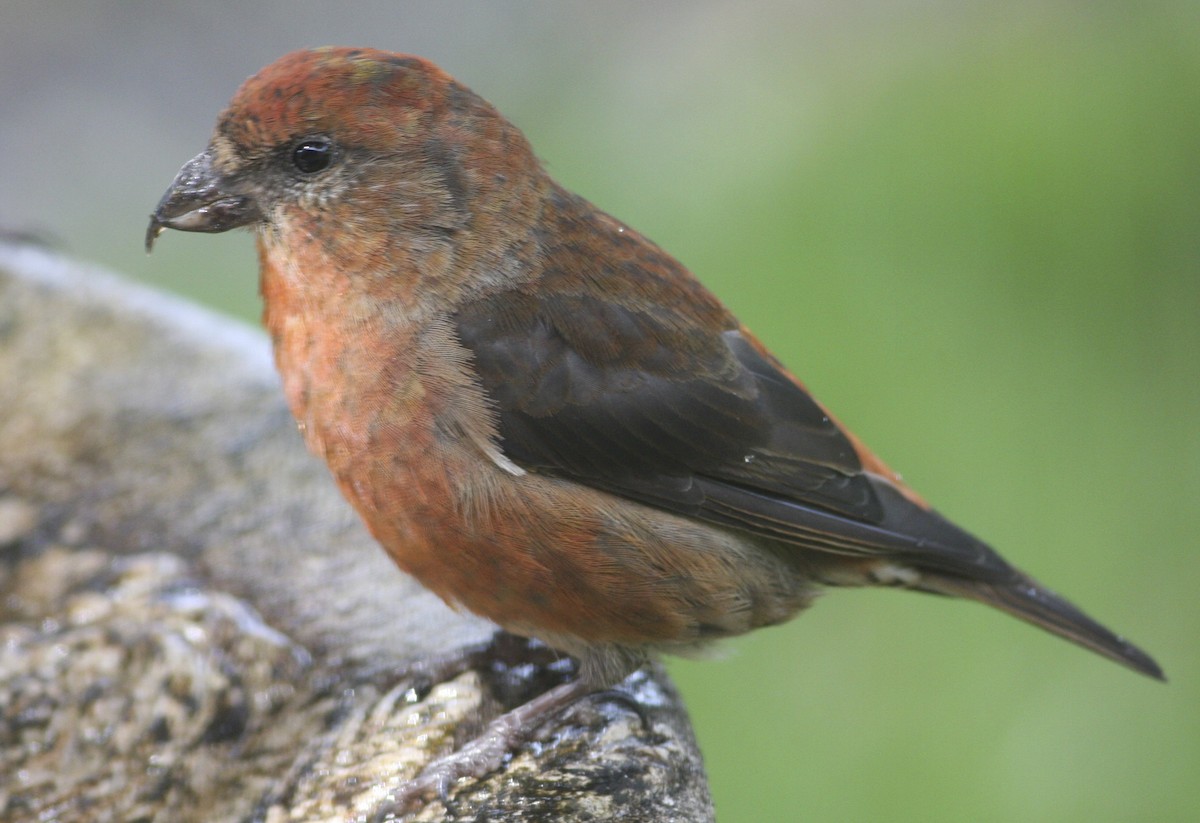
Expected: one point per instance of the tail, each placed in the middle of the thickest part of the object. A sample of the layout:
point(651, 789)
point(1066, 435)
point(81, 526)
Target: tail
point(1027, 599)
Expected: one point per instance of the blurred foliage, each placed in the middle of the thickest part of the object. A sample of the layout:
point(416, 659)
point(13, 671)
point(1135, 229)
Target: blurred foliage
point(972, 229)
point(992, 261)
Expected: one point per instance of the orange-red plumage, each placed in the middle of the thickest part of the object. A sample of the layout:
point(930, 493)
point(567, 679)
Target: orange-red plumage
point(538, 412)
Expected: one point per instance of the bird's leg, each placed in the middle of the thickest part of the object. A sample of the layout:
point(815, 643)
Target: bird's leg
point(485, 753)
point(517, 667)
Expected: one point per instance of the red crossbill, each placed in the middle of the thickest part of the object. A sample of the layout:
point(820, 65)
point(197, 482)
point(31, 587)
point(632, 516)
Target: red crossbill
point(539, 413)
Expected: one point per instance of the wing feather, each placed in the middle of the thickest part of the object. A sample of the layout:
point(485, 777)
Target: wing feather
point(626, 375)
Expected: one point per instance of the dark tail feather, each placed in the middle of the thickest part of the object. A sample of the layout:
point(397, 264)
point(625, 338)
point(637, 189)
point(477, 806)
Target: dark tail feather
point(1030, 601)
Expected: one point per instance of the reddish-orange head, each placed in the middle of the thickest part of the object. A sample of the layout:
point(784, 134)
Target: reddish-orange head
point(388, 140)
point(370, 98)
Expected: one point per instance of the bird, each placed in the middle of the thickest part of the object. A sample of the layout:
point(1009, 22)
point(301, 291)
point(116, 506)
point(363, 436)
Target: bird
point(538, 412)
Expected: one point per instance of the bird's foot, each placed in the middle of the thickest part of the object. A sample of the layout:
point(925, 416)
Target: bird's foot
point(484, 754)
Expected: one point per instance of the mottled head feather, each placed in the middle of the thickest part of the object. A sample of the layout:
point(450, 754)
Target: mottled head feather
point(311, 91)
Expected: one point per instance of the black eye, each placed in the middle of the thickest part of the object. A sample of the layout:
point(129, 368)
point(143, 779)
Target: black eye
point(313, 154)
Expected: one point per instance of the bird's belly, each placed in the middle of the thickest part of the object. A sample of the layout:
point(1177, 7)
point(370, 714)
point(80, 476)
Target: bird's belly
point(553, 558)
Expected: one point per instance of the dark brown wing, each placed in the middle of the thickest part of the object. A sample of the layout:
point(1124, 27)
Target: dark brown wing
point(628, 376)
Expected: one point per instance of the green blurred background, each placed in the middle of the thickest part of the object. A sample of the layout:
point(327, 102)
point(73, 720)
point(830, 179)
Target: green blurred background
point(972, 228)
